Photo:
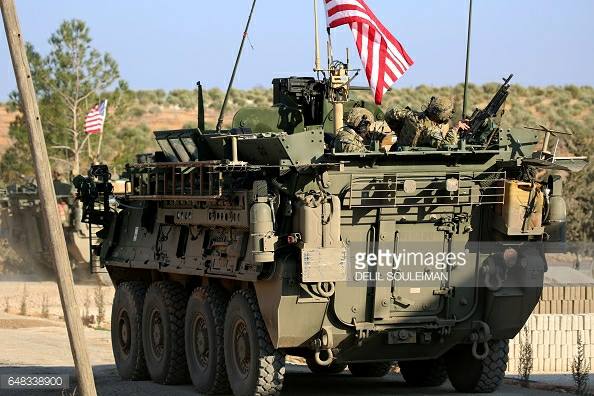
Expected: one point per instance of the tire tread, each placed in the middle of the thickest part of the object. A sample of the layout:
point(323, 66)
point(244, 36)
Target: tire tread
point(217, 300)
point(137, 291)
point(175, 298)
point(271, 361)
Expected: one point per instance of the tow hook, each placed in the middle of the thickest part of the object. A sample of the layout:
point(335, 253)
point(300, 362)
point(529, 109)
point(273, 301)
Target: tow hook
point(328, 359)
point(323, 347)
point(475, 353)
point(480, 336)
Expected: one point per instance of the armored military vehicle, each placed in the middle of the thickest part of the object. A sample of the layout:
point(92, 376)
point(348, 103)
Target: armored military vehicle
point(232, 248)
point(22, 226)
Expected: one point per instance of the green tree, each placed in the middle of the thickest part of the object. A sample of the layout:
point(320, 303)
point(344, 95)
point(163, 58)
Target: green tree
point(71, 79)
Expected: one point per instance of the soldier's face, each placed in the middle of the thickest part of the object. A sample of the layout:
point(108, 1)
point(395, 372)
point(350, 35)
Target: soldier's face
point(364, 127)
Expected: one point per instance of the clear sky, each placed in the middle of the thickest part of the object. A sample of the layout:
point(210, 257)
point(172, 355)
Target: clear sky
point(172, 44)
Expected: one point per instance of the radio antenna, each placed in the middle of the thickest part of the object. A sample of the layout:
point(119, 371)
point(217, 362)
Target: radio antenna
point(465, 100)
point(245, 34)
point(318, 65)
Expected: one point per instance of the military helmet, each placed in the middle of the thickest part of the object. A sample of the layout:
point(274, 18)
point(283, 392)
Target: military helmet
point(440, 109)
point(357, 116)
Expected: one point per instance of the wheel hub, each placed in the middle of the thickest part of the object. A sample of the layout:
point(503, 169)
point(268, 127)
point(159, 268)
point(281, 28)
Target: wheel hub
point(156, 332)
point(125, 332)
point(242, 347)
point(201, 349)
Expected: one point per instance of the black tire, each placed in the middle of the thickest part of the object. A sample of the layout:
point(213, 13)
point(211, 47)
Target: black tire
point(370, 370)
point(333, 368)
point(254, 367)
point(422, 373)
point(205, 319)
point(468, 374)
point(163, 317)
point(126, 331)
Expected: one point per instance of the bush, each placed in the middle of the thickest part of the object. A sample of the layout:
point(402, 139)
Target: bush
point(526, 357)
point(580, 368)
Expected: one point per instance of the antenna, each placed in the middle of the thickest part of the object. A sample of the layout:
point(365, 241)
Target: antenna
point(465, 101)
point(317, 66)
point(245, 34)
point(200, 108)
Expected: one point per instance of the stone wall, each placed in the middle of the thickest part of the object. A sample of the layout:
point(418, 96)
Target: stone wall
point(562, 313)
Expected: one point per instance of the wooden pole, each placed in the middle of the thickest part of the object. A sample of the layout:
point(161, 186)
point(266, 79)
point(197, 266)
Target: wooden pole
point(47, 197)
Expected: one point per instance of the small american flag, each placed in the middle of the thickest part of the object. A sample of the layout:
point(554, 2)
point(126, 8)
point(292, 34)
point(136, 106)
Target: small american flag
point(96, 118)
point(383, 57)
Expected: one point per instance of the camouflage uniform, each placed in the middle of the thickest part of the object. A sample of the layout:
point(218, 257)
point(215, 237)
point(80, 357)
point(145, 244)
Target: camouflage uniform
point(428, 128)
point(347, 140)
point(350, 139)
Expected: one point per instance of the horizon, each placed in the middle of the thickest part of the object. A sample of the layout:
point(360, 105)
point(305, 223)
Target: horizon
point(551, 57)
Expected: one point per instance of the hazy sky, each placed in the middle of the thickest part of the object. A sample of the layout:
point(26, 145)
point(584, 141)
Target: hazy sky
point(172, 44)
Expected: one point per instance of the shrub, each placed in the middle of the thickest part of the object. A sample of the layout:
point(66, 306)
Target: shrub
point(580, 368)
point(526, 357)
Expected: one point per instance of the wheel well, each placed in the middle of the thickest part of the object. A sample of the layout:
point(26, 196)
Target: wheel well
point(190, 282)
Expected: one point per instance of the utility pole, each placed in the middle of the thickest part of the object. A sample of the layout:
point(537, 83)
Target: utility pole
point(47, 197)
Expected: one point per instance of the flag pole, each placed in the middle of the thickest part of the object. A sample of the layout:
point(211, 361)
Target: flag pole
point(317, 66)
point(96, 159)
point(465, 101)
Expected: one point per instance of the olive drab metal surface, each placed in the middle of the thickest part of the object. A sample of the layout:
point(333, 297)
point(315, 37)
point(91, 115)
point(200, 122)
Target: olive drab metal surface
point(390, 249)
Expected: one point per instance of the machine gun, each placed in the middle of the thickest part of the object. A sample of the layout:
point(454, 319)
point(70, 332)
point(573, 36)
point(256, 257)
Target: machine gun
point(478, 133)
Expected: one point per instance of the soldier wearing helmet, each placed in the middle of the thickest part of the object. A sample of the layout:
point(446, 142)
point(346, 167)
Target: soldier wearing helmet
point(430, 127)
point(360, 130)
point(352, 137)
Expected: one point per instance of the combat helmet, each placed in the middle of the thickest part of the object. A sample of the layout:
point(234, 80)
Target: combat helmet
point(440, 109)
point(360, 119)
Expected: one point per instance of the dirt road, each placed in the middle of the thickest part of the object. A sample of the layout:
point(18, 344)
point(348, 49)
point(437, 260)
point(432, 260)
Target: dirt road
point(36, 345)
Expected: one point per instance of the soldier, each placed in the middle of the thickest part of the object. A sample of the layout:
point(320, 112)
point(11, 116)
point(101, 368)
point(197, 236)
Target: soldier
point(352, 137)
point(360, 131)
point(427, 128)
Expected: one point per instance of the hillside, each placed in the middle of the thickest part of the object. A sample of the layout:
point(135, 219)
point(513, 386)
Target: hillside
point(566, 108)
point(556, 107)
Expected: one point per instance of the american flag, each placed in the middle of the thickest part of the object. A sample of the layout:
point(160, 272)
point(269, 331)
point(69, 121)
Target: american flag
point(383, 57)
point(96, 118)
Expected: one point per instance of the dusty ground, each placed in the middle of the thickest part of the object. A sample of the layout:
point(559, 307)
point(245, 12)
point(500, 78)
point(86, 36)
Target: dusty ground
point(31, 344)
point(34, 296)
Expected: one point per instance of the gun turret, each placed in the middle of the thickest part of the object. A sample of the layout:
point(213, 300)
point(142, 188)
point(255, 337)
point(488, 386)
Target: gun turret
point(478, 132)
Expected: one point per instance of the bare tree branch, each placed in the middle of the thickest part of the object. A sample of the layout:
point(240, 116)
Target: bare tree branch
point(62, 148)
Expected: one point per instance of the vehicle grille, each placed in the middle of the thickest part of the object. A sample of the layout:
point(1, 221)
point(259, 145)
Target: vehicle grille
point(412, 190)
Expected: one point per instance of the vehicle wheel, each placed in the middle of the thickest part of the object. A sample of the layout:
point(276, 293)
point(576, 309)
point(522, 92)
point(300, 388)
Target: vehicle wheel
point(431, 372)
point(205, 319)
point(370, 370)
point(333, 368)
point(254, 367)
point(126, 330)
point(468, 374)
point(163, 332)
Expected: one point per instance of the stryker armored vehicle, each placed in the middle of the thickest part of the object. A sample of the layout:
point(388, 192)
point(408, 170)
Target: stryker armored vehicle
point(232, 248)
point(21, 225)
